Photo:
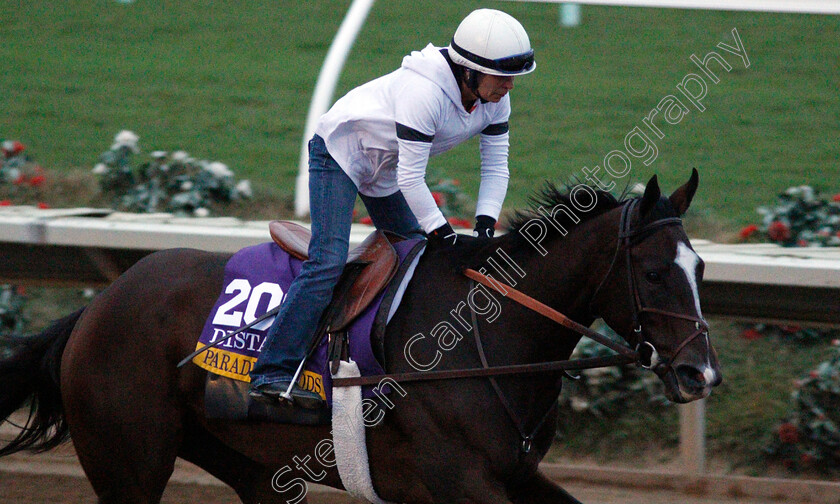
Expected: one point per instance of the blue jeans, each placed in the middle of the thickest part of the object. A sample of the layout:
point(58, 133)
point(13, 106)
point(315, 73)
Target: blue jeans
point(332, 196)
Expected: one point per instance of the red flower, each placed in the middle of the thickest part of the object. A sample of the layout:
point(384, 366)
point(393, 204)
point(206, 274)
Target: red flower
point(801, 243)
point(5, 202)
point(20, 180)
point(748, 231)
point(836, 198)
point(788, 433)
point(12, 147)
point(366, 220)
point(37, 180)
point(751, 334)
point(42, 205)
point(458, 222)
point(778, 231)
point(807, 458)
point(438, 197)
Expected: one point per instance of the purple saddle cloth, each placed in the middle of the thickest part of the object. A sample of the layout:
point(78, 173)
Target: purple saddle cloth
point(256, 280)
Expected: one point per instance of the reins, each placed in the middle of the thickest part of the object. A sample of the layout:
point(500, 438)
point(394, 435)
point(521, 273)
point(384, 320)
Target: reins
point(626, 355)
point(550, 313)
point(513, 369)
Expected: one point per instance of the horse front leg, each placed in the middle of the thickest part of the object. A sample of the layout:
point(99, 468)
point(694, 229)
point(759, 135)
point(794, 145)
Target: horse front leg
point(539, 489)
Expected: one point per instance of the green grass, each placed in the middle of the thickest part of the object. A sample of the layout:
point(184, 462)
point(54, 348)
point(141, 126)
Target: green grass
point(232, 82)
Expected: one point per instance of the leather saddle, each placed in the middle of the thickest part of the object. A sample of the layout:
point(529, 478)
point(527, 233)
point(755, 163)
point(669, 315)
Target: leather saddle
point(370, 267)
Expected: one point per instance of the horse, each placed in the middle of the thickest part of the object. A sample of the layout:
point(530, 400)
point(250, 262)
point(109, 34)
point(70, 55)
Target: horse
point(106, 375)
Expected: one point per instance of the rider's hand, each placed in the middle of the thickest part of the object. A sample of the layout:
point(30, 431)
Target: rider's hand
point(485, 226)
point(443, 236)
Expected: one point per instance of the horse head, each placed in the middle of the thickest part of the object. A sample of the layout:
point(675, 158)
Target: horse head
point(650, 294)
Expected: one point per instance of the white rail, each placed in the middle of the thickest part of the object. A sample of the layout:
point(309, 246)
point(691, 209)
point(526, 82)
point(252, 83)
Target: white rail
point(760, 264)
point(791, 6)
point(324, 89)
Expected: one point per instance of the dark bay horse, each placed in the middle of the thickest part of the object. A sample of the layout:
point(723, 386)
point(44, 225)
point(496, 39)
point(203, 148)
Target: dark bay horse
point(107, 376)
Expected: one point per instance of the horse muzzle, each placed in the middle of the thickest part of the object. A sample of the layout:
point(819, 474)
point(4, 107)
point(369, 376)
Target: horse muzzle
point(690, 372)
point(688, 382)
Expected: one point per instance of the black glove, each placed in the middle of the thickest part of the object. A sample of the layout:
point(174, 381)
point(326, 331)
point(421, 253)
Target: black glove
point(485, 226)
point(443, 236)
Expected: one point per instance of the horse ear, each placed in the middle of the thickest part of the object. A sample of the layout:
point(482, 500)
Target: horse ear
point(651, 196)
point(682, 197)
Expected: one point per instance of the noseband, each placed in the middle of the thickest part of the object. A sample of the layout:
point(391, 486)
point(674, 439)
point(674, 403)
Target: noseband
point(627, 238)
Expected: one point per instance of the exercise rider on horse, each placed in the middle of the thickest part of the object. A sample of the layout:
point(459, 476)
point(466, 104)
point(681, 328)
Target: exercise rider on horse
point(376, 142)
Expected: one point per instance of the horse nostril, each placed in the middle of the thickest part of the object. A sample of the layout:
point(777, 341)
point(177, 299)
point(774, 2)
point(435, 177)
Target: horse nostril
point(690, 376)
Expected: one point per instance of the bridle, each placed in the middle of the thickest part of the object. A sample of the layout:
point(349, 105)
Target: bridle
point(627, 238)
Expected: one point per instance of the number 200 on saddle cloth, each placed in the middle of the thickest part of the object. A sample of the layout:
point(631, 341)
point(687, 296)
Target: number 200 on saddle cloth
point(256, 280)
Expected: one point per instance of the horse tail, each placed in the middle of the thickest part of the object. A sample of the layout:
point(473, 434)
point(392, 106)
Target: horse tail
point(29, 370)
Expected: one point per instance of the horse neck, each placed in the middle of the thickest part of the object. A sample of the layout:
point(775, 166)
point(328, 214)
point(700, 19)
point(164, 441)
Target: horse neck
point(565, 278)
point(568, 275)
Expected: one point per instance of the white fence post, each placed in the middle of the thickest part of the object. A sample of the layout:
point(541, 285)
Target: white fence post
point(693, 437)
point(327, 80)
point(570, 14)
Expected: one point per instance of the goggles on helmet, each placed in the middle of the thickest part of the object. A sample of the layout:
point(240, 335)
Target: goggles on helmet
point(509, 64)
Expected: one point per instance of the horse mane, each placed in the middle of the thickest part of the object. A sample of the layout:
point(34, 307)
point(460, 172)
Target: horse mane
point(549, 196)
point(472, 254)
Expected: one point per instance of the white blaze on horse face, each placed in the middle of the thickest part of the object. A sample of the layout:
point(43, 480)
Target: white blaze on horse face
point(688, 260)
point(709, 375)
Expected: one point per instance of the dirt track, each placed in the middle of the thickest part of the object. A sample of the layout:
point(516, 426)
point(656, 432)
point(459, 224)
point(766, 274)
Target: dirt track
point(56, 478)
point(30, 489)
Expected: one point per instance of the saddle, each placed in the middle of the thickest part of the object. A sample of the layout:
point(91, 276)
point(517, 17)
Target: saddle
point(370, 267)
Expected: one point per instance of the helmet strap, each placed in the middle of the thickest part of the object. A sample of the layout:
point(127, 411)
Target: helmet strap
point(471, 80)
point(464, 75)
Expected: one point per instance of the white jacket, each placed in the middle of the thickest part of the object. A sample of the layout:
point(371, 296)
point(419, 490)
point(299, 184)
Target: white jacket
point(422, 100)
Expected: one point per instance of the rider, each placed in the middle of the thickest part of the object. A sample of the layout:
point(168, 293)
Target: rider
point(376, 142)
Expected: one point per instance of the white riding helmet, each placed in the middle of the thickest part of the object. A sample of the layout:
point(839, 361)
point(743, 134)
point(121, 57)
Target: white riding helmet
point(492, 42)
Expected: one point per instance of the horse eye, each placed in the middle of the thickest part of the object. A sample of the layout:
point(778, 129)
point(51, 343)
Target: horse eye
point(653, 277)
